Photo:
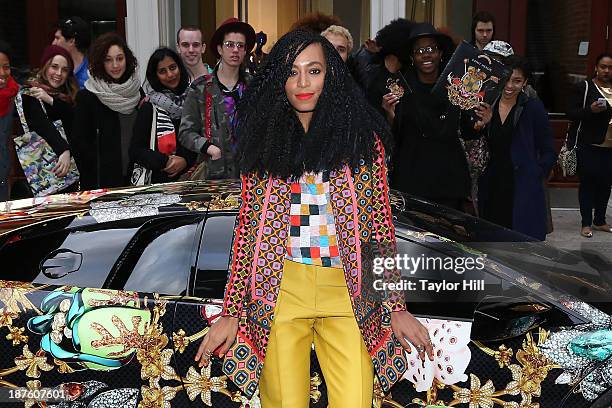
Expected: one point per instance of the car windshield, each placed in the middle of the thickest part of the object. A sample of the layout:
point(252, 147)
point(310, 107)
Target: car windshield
point(516, 257)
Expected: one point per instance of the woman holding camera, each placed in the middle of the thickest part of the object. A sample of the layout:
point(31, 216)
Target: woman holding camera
point(591, 113)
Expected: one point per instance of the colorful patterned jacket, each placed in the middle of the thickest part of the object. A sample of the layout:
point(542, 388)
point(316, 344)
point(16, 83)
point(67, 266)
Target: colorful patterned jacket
point(363, 224)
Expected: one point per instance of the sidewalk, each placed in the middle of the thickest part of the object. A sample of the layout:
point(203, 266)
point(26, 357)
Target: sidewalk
point(566, 223)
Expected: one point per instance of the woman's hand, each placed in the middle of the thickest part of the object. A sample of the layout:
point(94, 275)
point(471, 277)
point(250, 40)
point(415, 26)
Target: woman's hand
point(175, 165)
point(221, 336)
point(484, 113)
point(597, 107)
point(41, 95)
point(214, 152)
point(63, 164)
point(388, 104)
point(408, 329)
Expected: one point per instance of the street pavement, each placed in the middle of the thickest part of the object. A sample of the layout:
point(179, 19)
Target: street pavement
point(566, 224)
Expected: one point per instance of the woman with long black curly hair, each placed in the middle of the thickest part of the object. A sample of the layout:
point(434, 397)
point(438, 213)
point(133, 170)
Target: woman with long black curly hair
point(315, 210)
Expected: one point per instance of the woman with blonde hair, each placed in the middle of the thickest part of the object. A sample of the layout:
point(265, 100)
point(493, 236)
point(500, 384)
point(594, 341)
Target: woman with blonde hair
point(49, 97)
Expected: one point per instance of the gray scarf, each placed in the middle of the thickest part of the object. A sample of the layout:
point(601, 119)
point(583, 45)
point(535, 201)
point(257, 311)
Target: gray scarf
point(122, 98)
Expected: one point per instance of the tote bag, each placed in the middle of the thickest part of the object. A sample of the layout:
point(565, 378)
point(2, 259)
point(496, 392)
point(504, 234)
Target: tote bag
point(37, 158)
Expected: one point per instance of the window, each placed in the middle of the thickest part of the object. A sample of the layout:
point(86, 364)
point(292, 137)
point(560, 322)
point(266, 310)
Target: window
point(213, 257)
point(558, 35)
point(159, 257)
point(165, 263)
point(440, 284)
point(83, 256)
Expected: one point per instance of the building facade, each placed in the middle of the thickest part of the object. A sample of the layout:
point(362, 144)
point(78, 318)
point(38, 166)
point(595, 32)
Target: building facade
point(561, 38)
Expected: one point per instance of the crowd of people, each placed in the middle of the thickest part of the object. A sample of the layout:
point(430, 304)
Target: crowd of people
point(180, 122)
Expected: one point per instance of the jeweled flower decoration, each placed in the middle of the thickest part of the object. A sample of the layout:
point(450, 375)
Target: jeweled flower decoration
point(16, 335)
point(315, 382)
point(156, 363)
point(33, 363)
point(203, 384)
point(6, 317)
point(245, 402)
point(32, 385)
point(155, 397)
point(180, 340)
point(534, 368)
point(62, 367)
point(12, 294)
point(477, 396)
point(503, 356)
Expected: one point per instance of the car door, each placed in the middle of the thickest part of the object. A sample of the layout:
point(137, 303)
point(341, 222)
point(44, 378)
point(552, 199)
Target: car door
point(199, 309)
point(101, 326)
point(92, 346)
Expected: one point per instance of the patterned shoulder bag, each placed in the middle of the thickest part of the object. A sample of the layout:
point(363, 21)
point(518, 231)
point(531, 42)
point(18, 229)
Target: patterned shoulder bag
point(568, 161)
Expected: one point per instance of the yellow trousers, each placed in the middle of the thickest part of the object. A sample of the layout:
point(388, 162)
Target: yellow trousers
point(313, 306)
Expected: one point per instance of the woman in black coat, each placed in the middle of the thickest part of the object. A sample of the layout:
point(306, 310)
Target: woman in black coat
point(593, 114)
point(520, 140)
point(105, 114)
point(169, 80)
point(48, 98)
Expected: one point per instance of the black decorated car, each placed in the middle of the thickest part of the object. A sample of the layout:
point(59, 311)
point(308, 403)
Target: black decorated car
point(105, 296)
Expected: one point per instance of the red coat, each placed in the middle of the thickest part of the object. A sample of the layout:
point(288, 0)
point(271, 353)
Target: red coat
point(364, 226)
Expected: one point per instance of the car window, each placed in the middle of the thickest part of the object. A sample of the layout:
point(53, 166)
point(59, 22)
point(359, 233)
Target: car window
point(81, 256)
point(438, 284)
point(213, 256)
point(162, 257)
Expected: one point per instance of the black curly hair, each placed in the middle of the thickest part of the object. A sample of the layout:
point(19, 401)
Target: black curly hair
point(271, 138)
point(394, 38)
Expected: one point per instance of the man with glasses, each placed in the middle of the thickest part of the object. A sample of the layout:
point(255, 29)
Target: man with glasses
point(208, 122)
point(190, 47)
point(73, 35)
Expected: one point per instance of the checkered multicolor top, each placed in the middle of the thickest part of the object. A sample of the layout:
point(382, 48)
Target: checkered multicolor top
point(312, 229)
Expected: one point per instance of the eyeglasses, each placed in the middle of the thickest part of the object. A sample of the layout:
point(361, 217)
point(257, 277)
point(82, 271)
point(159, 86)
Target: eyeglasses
point(426, 50)
point(233, 44)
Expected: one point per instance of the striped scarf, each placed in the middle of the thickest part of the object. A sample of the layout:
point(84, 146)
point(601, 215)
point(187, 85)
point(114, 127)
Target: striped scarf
point(165, 132)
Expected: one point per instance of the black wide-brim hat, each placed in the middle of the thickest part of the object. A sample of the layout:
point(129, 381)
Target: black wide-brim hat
point(233, 25)
point(422, 30)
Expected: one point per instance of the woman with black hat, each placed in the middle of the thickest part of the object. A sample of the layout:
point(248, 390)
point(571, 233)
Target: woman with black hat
point(209, 112)
point(429, 160)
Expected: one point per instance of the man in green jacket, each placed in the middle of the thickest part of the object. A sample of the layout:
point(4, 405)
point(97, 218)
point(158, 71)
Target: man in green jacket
point(209, 112)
